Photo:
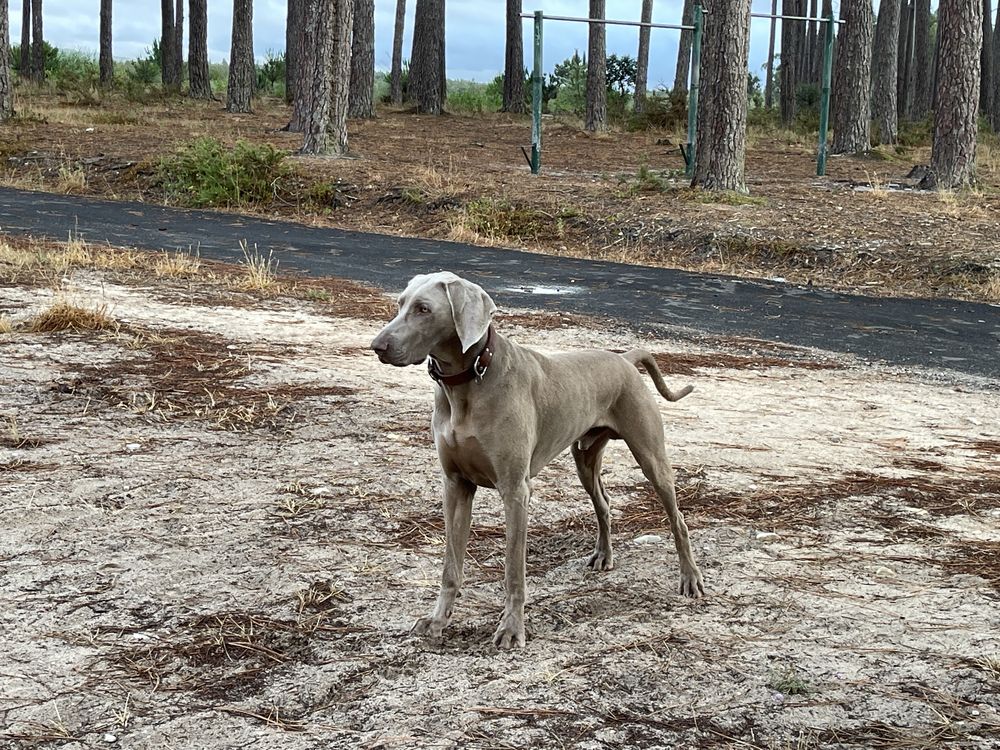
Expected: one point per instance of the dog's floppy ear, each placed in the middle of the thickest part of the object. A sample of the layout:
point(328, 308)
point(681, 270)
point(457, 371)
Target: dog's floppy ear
point(471, 308)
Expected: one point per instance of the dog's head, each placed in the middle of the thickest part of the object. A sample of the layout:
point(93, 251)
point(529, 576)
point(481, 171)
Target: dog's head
point(436, 311)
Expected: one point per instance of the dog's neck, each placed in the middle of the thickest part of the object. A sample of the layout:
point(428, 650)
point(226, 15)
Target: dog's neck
point(449, 359)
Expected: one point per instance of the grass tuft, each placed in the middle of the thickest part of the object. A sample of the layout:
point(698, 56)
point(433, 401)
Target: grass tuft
point(261, 270)
point(789, 681)
point(176, 266)
point(65, 316)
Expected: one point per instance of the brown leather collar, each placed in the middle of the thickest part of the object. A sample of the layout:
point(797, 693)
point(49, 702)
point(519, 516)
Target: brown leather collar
point(479, 366)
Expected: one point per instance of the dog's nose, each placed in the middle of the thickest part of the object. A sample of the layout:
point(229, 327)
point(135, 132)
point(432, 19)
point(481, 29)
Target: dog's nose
point(380, 345)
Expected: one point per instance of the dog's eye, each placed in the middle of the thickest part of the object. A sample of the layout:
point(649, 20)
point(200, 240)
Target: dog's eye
point(423, 309)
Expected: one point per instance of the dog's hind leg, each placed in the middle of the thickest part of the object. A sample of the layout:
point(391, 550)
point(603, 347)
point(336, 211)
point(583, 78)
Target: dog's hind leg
point(588, 454)
point(642, 431)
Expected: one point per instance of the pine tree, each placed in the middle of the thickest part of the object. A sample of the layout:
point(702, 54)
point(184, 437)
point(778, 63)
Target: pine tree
point(361, 99)
point(596, 115)
point(722, 107)
point(106, 62)
point(513, 69)
point(956, 116)
point(642, 59)
point(242, 73)
point(199, 79)
point(852, 105)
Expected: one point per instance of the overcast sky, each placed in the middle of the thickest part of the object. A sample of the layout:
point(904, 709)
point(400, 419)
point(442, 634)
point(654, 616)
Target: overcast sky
point(475, 31)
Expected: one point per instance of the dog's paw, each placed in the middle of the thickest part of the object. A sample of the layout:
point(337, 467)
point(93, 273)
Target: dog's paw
point(429, 626)
point(692, 584)
point(601, 560)
point(510, 634)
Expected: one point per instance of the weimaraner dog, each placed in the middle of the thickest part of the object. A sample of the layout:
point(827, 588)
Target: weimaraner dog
point(502, 412)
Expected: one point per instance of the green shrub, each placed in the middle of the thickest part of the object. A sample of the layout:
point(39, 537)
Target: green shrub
point(383, 87)
point(470, 97)
point(664, 111)
point(762, 118)
point(913, 133)
point(807, 103)
point(209, 173)
point(271, 72)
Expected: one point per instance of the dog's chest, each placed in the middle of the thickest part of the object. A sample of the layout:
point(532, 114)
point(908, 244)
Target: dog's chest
point(461, 450)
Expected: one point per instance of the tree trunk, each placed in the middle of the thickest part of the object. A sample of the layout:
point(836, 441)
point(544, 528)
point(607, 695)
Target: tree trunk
point(6, 87)
point(826, 9)
point(684, 48)
point(396, 75)
point(722, 107)
point(328, 37)
point(884, 84)
point(995, 120)
point(920, 105)
point(25, 71)
point(302, 104)
point(960, 39)
point(813, 44)
point(37, 42)
point(934, 64)
point(168, 46)
point(596, 117)
point(904, 62)
point(986, 62)
point(852, 113)
point(239, 90)
point(294, 18)
point(801, 44)
point(790, 66)
point(642, 60)
point(179, 44)
point(200, 82)
point(513, 70)
point(106, 61)
point(769, 76)
point(362, 90)
point(426, 84)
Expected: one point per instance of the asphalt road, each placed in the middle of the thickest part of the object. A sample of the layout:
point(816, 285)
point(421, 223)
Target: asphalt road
point(942, 334)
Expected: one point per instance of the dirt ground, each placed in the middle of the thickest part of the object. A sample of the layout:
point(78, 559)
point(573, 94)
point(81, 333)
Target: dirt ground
point(619, 196)
point(221, 517)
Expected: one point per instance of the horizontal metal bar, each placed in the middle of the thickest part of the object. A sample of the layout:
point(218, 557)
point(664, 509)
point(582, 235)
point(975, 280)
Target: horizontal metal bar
point(791, 18)
point(613, 23)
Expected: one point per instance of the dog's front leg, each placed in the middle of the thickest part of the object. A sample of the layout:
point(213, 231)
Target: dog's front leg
point(458, 494)
point(515, 496)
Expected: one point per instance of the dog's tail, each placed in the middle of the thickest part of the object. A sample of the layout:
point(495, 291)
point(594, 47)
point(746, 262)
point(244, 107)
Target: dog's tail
point(642, 357)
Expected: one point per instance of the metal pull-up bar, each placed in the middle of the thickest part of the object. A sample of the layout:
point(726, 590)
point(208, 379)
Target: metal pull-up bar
point(611, 22)
point(536, 78)
point(688, 150)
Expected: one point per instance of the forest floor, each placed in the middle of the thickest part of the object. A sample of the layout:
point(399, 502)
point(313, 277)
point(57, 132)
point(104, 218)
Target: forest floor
point(619, 196)
point(221, 516)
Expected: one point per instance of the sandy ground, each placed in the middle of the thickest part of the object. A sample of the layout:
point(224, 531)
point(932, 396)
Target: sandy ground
point(220, 522)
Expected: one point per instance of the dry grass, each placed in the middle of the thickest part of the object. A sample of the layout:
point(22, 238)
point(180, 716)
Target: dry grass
point(879, 186)
point(261, 271)
point(6, 324)
point(71, 179)
point(177, 266)
point(24, 258)
point(63, 315)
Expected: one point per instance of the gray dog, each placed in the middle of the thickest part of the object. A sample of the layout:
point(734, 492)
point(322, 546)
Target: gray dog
point(502, 412)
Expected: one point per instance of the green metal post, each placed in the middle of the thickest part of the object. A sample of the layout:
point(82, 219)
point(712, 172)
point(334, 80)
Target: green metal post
point(824, 104)
point(695, 84)
point(536, 99)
